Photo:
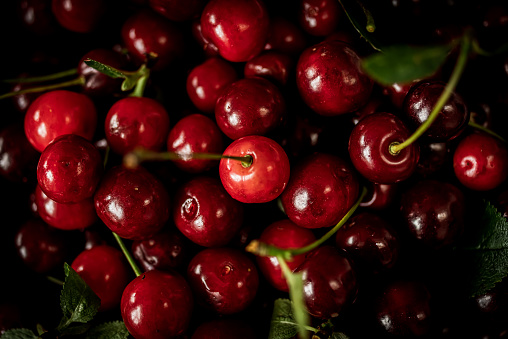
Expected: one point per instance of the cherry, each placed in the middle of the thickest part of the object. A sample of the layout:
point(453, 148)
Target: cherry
point(22, 101)
point(379, 196)
point(10, 317)
point(319, 17)
point(207, 46)
point(370, 241)
point(480, 162)
point(132, 203)
point(36, 16)
point(223, 279)
point(57, 113)
point(330, 79)
point(157, 305)
point(224, 329)
point(69, 216)
point(134, 122)
point(283, 234)
point(105, 270)
point(397, 92)
point(329, 282)
point(321, 190)
point(433, 157)
point(264, 178)
point(207, 80)
point(239, 28)
point(81, 16)
point(176, 10)
point(285, 37)
point(274, 66)
point(369, 149)
point(205, 213)
point(18, 159)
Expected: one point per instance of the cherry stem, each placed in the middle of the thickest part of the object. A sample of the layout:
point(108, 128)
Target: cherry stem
point(127, 254)
point(55, 280)
point(142, 81)
point(395, 148)
point(371, 25)
point(42, 78)
point(486, 130)
point(74, 82)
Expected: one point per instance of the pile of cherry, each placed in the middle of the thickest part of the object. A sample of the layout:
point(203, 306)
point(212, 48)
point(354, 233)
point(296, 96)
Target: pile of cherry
point(236, 130)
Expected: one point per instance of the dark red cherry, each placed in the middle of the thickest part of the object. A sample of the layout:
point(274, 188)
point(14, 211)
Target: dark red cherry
point(239, 28)
point(321, 189)
point(283, 234)
point(41, 247)
point(451, 120)
point(106, 271)
point(205, 213)
point(250, 106)
point(397, 92)
point(37, 16)
point(176, 10)
point(379, 196)
point(57, 113)
point(274, 66)
point(207, 46)
point(132, 203)
point(403, 309)
point(329, 282)
point(319, 17)
point(480, 162)
point(81, 16)
point(330, 78)
point(10, 317)
point(369, 149)
point(157, 305)
point(22, 101)
point(69, 169)
point(434, 212)
point(164, 251)
point(370, 241)
point(207, 80)
point(134, 122)
point(147, 32)
point(264, 179)
point(224, 328)
point(18, 159)
point(224, 280)
point(433, 157)
point(285, 37)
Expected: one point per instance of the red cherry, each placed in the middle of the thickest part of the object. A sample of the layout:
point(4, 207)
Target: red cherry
point(379, 196)
point(397, 92)
point(273, 66)
point(105, 270)
point(134, 122)
point(36, 15)
point(239, 28)
point(18, 159)
point(480, 162)
point(177, 10)
point(285, 37)
point(81, 16)
point(157, 305)
point(207, 46)
point(57, 113)
point(319, 17)
point(264, 179)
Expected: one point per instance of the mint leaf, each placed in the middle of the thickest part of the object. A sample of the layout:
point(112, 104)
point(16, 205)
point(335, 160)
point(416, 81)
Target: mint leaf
point(283, 324)
point(354, 11)
point(403, 63)
point(111, 330)
point(19, 333)
point(338, 335)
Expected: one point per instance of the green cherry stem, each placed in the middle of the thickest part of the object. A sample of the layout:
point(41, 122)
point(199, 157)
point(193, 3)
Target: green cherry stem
point(43, 78)
point(395, 147)
point(139, 89)
point(55, 280)
point(75, 82)
point(486, 130)
point(371, 25)
point(128, 255)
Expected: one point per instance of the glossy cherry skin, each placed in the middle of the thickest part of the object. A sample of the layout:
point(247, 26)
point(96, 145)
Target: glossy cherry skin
point(81, 16)
point(451, 120)
point(207, 80)
point(157, 305)
point(205, 213)
point(57, 113)
point(224, 280)
point(370, 241)
point(480, 162)
point(106, 271)
point(321, 189)
point(274, 66)
point(283, 234)
point(75, 216)
point(18, 159)
point(250, 106)
point(224, 328)
point(265, 178)
point(148, 32)
point(195, 133)
point(397, 92)
point(433, 157)
point(434, 212)
point(208, 47)
point(285, 37)
point(369, 145)
point(176, 10)
point(379, 196)
point(239, 28)
point(319, 17)
point(330, 78)
point(132, 203)
point(40, 246)
point(329, 282)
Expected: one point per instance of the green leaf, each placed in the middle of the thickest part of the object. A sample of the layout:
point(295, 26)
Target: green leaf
point(403, 63)
point(354, 11)
point(19, 333)
point(110, 330)
point(283, 324)
point(338, 335)
point(105, 69)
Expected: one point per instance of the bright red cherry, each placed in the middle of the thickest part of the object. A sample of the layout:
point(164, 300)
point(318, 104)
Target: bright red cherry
point(239, 28)
point(321, 190)
point(369, 149)
point(285, 37)
point(57, 113)
point(132, 202)
point(134, 122)
point(207, 80)
point(319, 17)
point(223, 279)
point(250, 106)
point(480, 162)
point(177, 10)
point(18, 159)
point(105, 270)
point(283, 234)
point(274, 66)
point(330, 78)
point(264, 179)
point(157, 305)
point(81, 16)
